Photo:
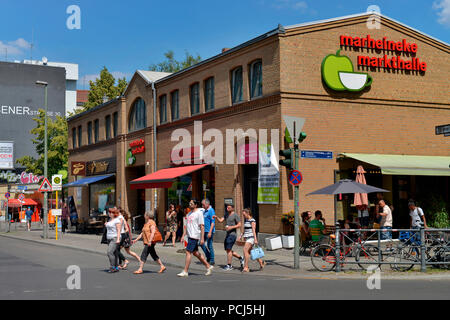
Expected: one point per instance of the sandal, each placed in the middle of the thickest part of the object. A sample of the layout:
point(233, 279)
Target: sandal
point(162, 270)
point(245, 270)
point(138, 272)
point(263, 265)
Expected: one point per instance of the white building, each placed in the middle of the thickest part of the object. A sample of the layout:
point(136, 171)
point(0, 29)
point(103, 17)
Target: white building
point(71, 80)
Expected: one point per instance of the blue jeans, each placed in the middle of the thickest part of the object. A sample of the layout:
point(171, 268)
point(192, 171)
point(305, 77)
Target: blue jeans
point(386, 235)
point(208, 248)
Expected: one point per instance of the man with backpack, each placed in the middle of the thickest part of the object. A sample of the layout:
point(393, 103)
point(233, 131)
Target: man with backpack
point(417, 215)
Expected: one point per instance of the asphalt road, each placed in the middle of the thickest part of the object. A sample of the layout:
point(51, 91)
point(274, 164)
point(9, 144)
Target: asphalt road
point(32, 271)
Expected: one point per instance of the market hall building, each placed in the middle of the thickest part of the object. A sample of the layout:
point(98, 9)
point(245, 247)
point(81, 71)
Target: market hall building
point(369, 97)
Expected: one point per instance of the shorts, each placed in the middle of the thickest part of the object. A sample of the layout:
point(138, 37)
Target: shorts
point(192, 245)
point(386, 235)
point(250, 240)
point(230, 239)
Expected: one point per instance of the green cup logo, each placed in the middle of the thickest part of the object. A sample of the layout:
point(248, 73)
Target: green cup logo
point(338, 74)
point(130, 158)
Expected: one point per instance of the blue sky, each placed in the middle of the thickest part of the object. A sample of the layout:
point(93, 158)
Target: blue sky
point(128, 35)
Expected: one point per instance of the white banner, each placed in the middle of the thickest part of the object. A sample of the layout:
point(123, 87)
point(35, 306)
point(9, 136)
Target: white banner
point(6, 155)
point(269, 176)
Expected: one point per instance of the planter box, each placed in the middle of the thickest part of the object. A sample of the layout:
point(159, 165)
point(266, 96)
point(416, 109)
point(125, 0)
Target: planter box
point(273, 243)
point(288, 241)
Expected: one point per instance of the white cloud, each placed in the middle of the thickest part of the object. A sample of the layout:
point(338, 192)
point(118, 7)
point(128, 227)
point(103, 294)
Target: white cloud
point(291, 4)
point(443, 6)
point(14, 48)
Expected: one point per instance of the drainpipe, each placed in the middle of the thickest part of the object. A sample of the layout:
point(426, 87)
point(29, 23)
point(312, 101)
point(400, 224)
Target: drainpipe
point(155, 201)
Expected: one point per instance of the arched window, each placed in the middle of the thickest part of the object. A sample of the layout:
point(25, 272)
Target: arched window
point(138, 116)
point(256, 79)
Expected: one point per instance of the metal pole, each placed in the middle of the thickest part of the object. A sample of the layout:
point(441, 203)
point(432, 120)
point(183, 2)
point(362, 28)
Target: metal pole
point(296, 217)
point(423, 266)
point(338, 248)
point(45, 169)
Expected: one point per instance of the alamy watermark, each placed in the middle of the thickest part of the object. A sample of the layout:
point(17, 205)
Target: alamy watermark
point(74, 20)
point(234, 146)
point(74, 280)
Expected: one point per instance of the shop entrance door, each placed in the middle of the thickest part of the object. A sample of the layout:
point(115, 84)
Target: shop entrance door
point(250, 186)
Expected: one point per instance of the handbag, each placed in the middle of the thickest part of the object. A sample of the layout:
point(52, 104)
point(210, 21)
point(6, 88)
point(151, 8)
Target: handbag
point(157, 237)
point(104, 239)
point(256, 253)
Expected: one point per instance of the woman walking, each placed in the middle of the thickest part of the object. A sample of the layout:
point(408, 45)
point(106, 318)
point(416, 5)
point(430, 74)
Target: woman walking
point(113, 228)
point(250, 239)
point(171, 217)
point(151, 236)
point(125, 243)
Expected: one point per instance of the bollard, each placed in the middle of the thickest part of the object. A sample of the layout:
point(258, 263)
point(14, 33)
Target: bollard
point(423, 266)
point(338, 248)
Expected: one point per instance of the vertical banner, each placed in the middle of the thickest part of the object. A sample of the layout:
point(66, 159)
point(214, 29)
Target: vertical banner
point(268, 176)
point(6, 155)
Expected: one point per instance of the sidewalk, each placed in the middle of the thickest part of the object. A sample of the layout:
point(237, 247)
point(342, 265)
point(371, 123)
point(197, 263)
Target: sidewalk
point(279, 263)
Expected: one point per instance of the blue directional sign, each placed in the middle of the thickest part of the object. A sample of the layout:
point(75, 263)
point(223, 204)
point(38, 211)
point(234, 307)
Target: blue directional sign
point(309, 154)
point(22, 188)
point(295, 178)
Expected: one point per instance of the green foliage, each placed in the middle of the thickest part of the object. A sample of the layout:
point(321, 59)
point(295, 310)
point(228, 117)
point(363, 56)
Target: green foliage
point(436, 210)
point(56, 146)
point(440, 220)
point(172, 65)
point(103, 86)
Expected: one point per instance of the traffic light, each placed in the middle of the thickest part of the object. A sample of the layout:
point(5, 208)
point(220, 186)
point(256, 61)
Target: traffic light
point(302, 137)
point(288, 154)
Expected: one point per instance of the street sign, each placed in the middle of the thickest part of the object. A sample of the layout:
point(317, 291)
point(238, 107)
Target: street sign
point(56, 212)
point(21, 197)
point(294, 126)
point(22, 188)
point(316, 154)
point(7, 195)
point(45, 186)
point(57, 182)
point(295, 178)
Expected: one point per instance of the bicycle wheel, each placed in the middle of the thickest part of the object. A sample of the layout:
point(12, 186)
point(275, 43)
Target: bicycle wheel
point(368, 255)
point(404, 255)
point(323, 258)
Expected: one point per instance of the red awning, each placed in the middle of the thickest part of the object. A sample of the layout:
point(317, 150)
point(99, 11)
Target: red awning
point(164, 178)
point(17, 203)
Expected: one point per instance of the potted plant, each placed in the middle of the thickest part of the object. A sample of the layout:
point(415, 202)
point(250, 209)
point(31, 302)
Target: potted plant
point(288, 229)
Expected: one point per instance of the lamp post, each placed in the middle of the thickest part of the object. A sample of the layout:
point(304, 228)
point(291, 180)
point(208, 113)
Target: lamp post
point(45, 84)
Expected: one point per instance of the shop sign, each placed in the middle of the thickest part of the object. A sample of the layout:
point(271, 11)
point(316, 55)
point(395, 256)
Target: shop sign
point(268, 176)
point(6, 155)
point(130, 158)
point(97, 167)
point(78, 168)
point(137, 146)
point(10, 176)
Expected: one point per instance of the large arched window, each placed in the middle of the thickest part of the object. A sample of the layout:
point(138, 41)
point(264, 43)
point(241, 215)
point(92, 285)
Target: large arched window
point(138, 116)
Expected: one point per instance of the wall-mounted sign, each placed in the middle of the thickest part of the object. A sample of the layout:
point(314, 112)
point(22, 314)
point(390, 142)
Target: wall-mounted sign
point(137, 146)
point(78, 168)
point(97, 167)
point(6, 155)
point(309, 154)
point(410, 62)
point(10, 176)
point(130, 159)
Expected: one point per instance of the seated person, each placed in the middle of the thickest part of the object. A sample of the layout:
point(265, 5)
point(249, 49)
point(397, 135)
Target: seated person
point(317, 228)
point(304, 229)
point(351, 236)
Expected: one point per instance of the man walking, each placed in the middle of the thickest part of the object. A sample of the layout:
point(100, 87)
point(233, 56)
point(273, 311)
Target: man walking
point(195, 229)
point(210, 229)
point(29, 215)
point(416, 215)
point(233, 222)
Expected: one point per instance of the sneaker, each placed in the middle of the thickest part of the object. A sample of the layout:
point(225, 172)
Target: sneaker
point(209, 271)
point(241, 260)
point(228, 268)
point(183, 274)
point(212, 263)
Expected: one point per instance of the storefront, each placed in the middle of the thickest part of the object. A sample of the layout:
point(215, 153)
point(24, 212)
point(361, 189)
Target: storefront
point(365, 96)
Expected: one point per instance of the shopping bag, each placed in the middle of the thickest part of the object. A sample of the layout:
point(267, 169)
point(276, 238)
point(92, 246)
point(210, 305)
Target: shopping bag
point(256, 253)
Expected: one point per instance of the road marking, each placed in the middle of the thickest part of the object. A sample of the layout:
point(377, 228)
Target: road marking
point(228, 280)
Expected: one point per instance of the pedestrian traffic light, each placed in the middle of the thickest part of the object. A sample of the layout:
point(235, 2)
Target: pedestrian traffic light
point(288, 162)
point(302, 137)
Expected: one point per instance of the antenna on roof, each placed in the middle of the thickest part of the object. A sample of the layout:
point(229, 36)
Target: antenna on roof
point(31, 45)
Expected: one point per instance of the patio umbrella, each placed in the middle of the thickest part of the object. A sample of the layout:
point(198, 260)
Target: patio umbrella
point(347, 186)
point(360, 198)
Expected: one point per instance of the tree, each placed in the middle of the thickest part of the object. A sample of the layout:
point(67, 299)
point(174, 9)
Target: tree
point(56, 146)
point(171, 65)
point(104, 86)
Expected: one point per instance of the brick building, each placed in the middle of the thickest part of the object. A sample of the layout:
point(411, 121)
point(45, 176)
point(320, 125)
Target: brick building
point(386, 123)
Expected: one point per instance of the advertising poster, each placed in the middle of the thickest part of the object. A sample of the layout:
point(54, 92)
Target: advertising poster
point(6, 155)
point(268, 176)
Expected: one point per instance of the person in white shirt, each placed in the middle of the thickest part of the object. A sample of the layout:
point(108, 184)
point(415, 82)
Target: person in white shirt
point(386, 220)
point(195, 229)
point(113, 230)
point(416, 215)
